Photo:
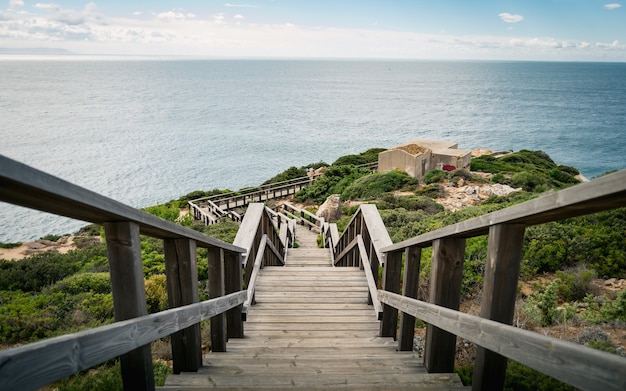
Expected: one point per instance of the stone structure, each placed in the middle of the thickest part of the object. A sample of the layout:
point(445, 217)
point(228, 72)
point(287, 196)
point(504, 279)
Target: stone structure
point(417, 157)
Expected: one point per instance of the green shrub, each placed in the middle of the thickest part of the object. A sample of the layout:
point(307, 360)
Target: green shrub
point(529, 181)
point(84, 282)
point(391, 201)
point(10, 245)
point(575, 283)
point(290, 173)
point(369, 156)
point(108, 377)
point(374, 185)
point(156, 293)
point(435, 176)
point(335, 180)
point(431, 191)
point(461, 173)
point(169, 211)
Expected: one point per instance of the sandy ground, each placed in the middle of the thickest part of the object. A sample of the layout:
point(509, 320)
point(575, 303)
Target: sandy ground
point(62, 246)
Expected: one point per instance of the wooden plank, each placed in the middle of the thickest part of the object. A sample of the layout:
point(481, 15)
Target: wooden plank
point(325, 382)
point(371, 281)
point(604, 193)
point(504, 258)
point(579, 366)
point(446, 276)
point(391, 283)
point(35, 365)
point(26, 186)
point(233, 280)
point(376, 228)
point(410, 285)
point(248, 228)
point(254, 275)
point(341, 258)
point(129, 298)
point(217, 289)
point(181, 270)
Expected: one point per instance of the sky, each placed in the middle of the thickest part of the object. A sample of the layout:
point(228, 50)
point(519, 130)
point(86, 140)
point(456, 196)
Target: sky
point(550, 30)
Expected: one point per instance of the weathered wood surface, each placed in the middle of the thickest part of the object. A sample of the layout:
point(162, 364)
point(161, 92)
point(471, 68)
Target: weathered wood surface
point(311, 328)
point(38, 364)
point(129, 298)
point(371, 280)
point(181, 270)
point(29, 187)
point(410, 285)
point(504, 258)
point(446, 275)
point(604, 193)
point(582, 367)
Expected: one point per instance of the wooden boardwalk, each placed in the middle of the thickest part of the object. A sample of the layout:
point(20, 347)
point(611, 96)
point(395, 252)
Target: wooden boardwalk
point(311, 328)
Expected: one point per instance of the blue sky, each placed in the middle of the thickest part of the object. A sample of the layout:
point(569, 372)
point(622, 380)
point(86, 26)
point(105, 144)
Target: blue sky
point(580, 30)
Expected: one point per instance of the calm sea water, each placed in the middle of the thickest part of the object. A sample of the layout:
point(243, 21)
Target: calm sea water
point(145, 132)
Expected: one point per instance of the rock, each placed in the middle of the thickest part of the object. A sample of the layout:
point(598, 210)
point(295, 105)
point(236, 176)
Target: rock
point(610, 282)
point(330, 210)
point(590, 334)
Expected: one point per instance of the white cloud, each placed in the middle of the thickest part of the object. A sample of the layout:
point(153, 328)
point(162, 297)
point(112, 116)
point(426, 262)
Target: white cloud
point(239, 17)
point(16, 3)
point(240, 5)
point(510, 18)
point(175, 14)
point(47, 6)
point(178, 32)
point(137, 13)
point(612, 6)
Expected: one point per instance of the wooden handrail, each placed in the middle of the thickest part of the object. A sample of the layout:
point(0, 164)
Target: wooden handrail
point(37, 364)
point(253, 276)
point(581, 367)
point(506, 237)
point(26, 186)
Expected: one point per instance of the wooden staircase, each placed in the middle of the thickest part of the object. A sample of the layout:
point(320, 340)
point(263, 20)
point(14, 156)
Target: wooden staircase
point(312, 329)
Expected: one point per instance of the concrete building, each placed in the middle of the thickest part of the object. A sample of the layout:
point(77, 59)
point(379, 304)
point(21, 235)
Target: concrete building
point(417, 157)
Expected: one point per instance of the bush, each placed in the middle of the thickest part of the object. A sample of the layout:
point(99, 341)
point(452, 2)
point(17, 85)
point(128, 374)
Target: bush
point(10, 245)
point(156, 293)
point(335, 180)
point(290, 173)
point(169, 211)
point(84, 282)
point(529, 181)
point(369, 156)
point(108, 377)
point(430, 191)
point(575, 283)
point(435, 176)
point(390, 201)
point(374, 185)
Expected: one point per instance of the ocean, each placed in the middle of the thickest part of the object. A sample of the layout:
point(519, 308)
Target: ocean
point(145, 131)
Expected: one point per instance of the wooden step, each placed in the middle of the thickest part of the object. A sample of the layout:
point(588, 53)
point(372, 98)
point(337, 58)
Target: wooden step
point(311, 328)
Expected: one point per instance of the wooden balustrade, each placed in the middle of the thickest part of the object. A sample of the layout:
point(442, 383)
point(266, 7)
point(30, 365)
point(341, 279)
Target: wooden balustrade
point(41, 363)
point(578, 366)
point(264, 244)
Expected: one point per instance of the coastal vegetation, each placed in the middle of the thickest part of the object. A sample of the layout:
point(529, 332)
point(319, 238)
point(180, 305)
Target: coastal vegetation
point(565, 270)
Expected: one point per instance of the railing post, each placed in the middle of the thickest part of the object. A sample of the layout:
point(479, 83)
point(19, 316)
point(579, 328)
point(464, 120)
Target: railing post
point(410, 285)
point(216, 289)
point(129, 298)
point(182, 288)
point(445, 290)
point(391, 283)
point(233, 283)
point(504, 257)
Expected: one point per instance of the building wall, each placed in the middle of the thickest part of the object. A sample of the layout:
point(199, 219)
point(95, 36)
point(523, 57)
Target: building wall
point(396, 159)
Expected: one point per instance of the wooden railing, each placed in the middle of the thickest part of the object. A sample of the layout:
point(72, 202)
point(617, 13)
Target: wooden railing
point(220, 205)
point(41, 363)
point(360, 245)
point(303, 216)
point(265, 244)
point(581, 367)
